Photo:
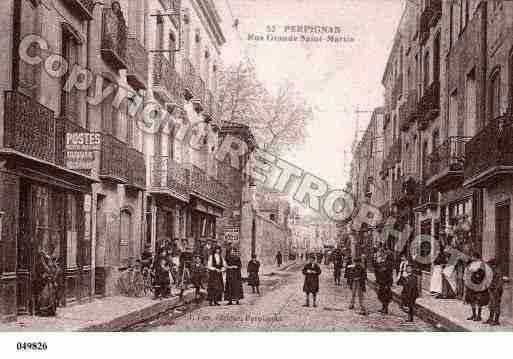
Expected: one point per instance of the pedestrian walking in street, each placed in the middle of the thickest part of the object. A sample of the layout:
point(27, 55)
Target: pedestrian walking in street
point(476, 294)
point(253, 276)
point(384, 270)
point(311, 271)
point(337, 265)
point(197, 277)
point(216, 267)
point(401, 273)
point(347, 271)
point(279, 259)
point(410, 291)
point(495, 290)
point(233, 289)
point(358, 275)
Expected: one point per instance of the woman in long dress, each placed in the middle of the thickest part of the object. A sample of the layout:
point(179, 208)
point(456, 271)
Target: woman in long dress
point(216, 267)
point(253, 276)
point(233, 290)
point(47, 271)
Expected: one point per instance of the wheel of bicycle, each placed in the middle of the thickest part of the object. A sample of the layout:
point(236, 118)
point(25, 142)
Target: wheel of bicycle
point(138, 284)
point(122, 285)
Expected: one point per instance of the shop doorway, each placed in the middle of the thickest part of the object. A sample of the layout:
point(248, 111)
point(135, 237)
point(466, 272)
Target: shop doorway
point(502, 246)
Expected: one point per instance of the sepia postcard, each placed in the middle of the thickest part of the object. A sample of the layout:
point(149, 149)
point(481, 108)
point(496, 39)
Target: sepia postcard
point(255, 166)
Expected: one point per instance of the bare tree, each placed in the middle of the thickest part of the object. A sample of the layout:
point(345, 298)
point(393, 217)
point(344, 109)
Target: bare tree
point(278, 121)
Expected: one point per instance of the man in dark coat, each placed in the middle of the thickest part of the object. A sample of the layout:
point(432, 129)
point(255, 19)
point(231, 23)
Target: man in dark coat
point(358, 283)
point(495, 289)
point(253, 277)
point(279, 259)
point(384, 278)
point(337, 265)
point(233, 290)
point(311, 271)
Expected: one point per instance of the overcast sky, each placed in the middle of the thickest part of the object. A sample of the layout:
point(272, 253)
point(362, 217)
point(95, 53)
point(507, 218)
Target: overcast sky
point(335, 78)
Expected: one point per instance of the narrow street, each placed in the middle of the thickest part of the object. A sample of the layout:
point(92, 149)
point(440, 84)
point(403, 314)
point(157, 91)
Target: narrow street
point(280, 309)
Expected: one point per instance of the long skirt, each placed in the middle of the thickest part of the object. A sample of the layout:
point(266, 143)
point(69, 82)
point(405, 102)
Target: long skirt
point(233, 289)
point(253, 279)
point(384, 294)
point(215, 286)
point(435, 285)
point(47, 300)
point(495, 300)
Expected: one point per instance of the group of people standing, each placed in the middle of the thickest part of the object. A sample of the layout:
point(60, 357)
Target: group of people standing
point(355, 273)
point(222, 274)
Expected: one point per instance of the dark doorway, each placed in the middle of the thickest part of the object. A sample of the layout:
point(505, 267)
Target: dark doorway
point(502, 223)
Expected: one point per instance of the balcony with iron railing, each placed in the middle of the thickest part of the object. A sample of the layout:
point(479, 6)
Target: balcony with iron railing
point(489, 154)
point(427, 199)
point(137, 72)
point(173, 7)
point(31, 130)
point(169, 178)
point(189, 79)
point(408, 112)
point(136, 169)
point(113, 159)
point(429, 17)
point(210, 106)
point(208, 188)
point(167, 83)
point(114, 39)
point(429, 105)
point(404, 190)
point(82, 8)
point(446, 162)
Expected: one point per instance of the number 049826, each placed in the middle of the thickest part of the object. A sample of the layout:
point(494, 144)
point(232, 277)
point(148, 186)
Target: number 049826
point(31, 346)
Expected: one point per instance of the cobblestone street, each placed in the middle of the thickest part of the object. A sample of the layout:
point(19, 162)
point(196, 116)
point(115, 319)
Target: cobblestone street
point(280, 308)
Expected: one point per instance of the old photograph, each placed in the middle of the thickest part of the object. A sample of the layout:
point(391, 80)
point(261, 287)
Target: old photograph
point(256, 166)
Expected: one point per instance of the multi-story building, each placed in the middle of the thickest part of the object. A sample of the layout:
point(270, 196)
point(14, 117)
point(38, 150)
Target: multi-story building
point(87, 174)
point(448, 114)
point(185, 195)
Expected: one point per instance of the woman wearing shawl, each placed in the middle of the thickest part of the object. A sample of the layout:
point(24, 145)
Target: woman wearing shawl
point(47, 272)
point(216, 267)
point(233, 290)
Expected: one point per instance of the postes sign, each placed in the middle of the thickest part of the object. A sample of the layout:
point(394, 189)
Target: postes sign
point(82, 149)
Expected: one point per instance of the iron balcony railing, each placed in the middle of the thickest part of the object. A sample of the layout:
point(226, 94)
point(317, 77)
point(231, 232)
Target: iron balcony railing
point(137, 72)
point(113, 159)
point(29, 127)
point(449, 156)
point(114, 39)
point(206, 186)
point(169, 175)
point(429, 17)
point(429, 105)
point(166, 80)
point(82, 8)
point(491, 147)
point(189, 78)
point(136, 169)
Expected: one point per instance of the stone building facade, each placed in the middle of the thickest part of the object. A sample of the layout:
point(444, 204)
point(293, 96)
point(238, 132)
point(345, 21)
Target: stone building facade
point(447, 126)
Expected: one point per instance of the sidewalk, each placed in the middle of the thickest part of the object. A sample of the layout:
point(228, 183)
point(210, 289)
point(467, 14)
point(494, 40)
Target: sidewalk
point(448, 314)
point(105, 314)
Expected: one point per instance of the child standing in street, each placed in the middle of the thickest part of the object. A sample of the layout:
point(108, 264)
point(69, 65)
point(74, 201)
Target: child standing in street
point(311, 271)
point(410, 291)
point(197, 274)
